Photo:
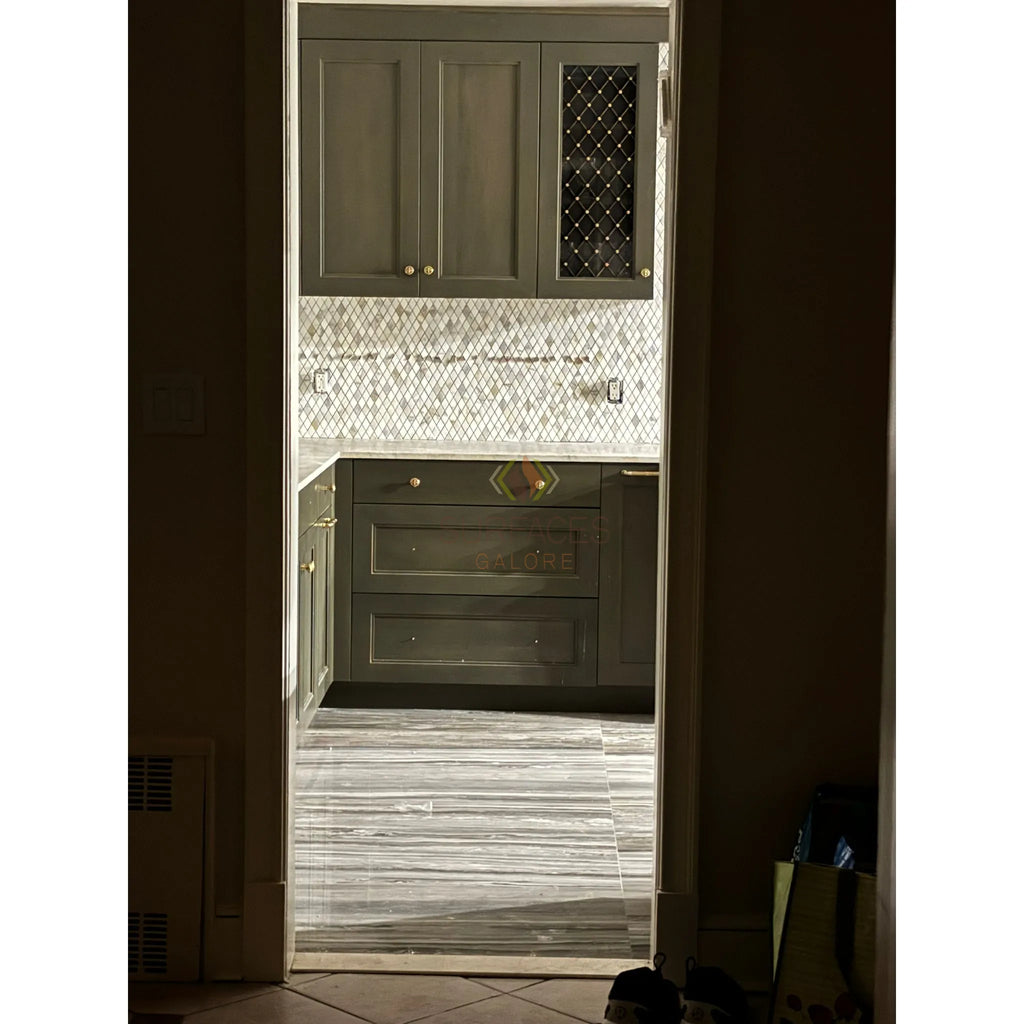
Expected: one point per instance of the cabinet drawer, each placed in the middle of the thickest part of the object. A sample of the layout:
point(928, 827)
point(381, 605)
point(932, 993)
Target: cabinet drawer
point(406, 638)
point(510, 482)
point(316, 499)
point(460, 549)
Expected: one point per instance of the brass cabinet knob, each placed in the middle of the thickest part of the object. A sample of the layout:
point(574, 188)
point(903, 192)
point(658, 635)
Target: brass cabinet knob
point(428, 270)
point(414, 482)
point(330, 488)
point(539, 485)
point(409, 271)
point(645, 272)
point(327, 524)
point(308, 566)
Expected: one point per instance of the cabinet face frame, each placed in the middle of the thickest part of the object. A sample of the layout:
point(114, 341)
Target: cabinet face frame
point(438, 160)
point(554, 56)
point(318, 54)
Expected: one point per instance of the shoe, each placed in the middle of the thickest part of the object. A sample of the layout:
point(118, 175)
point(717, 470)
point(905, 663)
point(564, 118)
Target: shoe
point(643, 996)
point(710, 996)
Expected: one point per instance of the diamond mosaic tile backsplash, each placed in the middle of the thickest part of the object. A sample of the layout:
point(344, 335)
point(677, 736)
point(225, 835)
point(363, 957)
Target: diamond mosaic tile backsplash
point(471, 370)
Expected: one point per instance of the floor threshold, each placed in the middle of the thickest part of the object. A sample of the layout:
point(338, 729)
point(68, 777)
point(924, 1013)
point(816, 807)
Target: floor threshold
point(464, 966)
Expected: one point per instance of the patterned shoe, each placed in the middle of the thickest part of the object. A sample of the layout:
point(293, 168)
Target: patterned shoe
point(710, 996)
point(643, 996)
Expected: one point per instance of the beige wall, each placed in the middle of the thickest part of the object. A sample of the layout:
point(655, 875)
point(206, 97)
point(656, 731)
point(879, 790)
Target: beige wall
point(797, 435)
point(186, 295)
point(796, 459)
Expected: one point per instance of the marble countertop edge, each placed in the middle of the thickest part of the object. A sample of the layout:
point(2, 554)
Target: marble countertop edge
point(316, 454)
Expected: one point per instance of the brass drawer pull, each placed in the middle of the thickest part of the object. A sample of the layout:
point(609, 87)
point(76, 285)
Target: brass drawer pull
point(414, 482)
point(308, 566)
point(327, 524)
point(640, 472)
point(330, 488)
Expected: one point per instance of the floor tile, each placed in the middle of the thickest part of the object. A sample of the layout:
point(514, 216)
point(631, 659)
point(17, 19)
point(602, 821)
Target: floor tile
point(585, 998)
point(507, 984)
point(181, 998)
point(464, 832)
point(395, 998)
point(502, 1009)
point(282, 1006)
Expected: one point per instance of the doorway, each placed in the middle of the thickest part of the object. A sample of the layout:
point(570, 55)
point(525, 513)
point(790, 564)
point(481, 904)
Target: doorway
point(293, 317)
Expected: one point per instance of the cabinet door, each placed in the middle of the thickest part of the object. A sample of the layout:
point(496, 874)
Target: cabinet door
point(360, 167)
point(323, 608)
point(598, 149)
point(629, 569)
point(479, 169)
point(305, 702)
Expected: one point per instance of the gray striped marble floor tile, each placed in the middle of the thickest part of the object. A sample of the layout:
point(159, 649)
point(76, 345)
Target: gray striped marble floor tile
point(474, 832)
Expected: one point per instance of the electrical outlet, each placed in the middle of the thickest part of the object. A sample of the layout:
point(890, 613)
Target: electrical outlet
point(320, 382)
point(614, 393)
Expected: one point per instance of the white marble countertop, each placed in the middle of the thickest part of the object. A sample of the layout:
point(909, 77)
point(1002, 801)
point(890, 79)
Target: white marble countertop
point(316, 454)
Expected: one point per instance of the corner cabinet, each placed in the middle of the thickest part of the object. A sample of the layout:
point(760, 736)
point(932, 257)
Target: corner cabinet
point(419, 168)
point(478, 169)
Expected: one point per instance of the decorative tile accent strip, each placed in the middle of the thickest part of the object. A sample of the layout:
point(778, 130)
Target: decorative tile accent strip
point(471, 370)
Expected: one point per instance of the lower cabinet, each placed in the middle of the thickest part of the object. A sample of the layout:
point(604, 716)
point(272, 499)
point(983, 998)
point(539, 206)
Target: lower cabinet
point(446, 590)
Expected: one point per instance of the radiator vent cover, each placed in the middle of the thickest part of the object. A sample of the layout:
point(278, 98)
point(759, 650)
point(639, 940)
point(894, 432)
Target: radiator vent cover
point(147, 943)
point(166, 861)
point(150, 783)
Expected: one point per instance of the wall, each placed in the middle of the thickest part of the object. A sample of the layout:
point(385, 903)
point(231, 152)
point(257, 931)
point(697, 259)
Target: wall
point(797, 435)
point(796, 469)
point(186, 295)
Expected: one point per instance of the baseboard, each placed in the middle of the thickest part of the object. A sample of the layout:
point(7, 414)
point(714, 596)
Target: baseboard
point(611, 699)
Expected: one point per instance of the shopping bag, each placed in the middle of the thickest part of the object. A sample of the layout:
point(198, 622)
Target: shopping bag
point(823, 945)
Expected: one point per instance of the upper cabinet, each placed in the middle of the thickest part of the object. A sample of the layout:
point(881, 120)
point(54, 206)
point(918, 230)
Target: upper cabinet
point(482, 168)
point(419, 168)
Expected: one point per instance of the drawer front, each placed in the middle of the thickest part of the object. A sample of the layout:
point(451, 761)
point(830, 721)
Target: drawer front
point(316, 499)
point(513, 482)
point(405, 638)
point(460, 549)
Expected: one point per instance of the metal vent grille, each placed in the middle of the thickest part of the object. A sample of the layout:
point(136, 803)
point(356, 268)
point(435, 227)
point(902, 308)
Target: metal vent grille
point(150, 783)
point(147, 943)
point(598, 146)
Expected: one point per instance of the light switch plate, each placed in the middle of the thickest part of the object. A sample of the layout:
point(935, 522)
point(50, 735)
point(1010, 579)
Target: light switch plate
point(173, 403)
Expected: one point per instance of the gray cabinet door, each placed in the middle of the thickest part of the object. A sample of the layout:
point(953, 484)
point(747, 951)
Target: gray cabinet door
point(478, 228)
point(360, 167)
point(598, 148)
point(305, 699)
point(323, 608)
point(629, 566)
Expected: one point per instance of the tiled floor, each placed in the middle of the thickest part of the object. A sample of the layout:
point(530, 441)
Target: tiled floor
point(474, 832)
point(374, 999)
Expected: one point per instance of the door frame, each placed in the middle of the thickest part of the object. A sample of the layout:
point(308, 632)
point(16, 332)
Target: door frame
point(271, 501)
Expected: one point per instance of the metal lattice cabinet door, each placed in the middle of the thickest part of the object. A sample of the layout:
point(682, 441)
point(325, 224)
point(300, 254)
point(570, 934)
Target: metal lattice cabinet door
point(598, 154)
